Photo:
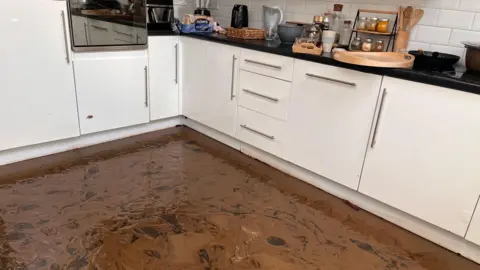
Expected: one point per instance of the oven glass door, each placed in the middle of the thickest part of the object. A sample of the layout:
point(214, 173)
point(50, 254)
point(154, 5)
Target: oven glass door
point(107, 23)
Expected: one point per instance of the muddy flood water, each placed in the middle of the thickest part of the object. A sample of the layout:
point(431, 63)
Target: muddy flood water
point(178, 200)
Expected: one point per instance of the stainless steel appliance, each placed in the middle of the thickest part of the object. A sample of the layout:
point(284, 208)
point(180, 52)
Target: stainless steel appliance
point(202, 8)
point(160, 14)
point(103, 25)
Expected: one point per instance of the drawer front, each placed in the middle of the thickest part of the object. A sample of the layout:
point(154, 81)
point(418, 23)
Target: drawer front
point(261, 131)
point(264, 94)
point(276, 66)
point(122, 34)
point(100, 25)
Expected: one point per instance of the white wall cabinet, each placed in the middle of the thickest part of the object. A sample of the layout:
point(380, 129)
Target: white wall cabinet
point(112, 90)
point(37, 96)
point(210, 84)
point(329, 120)
point(425, 159)
point(164, 76)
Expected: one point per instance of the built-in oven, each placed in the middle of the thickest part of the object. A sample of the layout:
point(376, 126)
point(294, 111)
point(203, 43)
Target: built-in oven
point(103, 25)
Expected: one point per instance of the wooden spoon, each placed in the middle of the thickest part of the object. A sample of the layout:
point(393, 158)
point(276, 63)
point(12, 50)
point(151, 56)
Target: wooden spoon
point(407, 15)
point(400, 18)
point(417, 16)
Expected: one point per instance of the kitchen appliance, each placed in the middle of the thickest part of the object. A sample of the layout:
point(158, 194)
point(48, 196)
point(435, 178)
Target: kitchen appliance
point(425, 60)
point(272, 17)
point(239, 16)
point(472, 59)
point(288, 33)
point(159, 14)
point(202, 8)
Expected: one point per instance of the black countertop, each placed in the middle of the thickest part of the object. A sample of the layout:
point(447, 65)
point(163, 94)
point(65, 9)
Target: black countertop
point(140, 22)
point(469, 82)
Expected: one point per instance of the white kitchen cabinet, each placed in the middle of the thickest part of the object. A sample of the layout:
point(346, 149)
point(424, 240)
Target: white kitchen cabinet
point(473, 233)
point(37, 96)
point(426, 154)
point(329, 119)
point(100, 32)
point(80, 30)
point(112, 90)
point(163, 54)
point(209, 78)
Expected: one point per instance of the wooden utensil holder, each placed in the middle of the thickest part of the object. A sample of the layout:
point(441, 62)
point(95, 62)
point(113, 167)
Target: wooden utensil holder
point(401, 41)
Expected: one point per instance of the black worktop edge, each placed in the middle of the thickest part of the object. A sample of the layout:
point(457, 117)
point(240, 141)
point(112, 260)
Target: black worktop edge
point(406, 74)
point(112, 20)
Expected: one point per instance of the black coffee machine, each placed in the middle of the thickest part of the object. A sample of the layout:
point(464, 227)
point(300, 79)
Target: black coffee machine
point(160, 14)
point(239, 16)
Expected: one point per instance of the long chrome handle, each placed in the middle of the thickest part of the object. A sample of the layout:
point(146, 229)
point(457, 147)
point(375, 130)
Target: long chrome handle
point(374, 137)
point(86, 32)
point(263, 64)
point(232, 94)
point(122, 33)
point(146, 86)
point(258, 132)
point(260, 95)
point(99, 28)
point(176, 63)
point(330, 79)
point(67, 55)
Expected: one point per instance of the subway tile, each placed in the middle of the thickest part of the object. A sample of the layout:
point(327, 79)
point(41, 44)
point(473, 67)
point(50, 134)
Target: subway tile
point(447, 49)
point(470, 5)
point(442, 4)
point(295, 6)
point(476, 22)
point(431, 34)
point(414, 45)
point(430, 17)
point(456, 19)
point(316, 7)
point(462, 35)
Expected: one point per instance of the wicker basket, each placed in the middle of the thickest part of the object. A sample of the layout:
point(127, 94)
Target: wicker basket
point(245, 33)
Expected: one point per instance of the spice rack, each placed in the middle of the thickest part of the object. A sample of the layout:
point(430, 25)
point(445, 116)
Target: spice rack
point(391, 35)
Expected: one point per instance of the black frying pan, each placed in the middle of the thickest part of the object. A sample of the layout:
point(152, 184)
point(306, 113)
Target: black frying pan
point(433, 60)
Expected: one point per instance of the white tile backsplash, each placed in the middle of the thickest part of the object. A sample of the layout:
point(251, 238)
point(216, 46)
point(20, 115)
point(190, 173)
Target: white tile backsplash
point(456, 19)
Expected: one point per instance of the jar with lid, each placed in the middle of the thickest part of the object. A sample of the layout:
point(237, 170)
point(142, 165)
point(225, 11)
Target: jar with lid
point(379, 46)
point(337, 18)
point(345, 33)
point(382, 25)
point(362, 23)
point(367, 45)
point(356, 44)
point(312, 33)
point(372, 24)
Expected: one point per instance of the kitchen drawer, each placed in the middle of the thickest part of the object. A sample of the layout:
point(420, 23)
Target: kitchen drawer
point(272, 65)
point(99, 25)
point(123, 33)
point(331, 77)
point(261, 131)
point(264, 94)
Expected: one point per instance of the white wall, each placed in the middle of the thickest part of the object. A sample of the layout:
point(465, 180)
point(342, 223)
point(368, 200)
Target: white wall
point(446, 22)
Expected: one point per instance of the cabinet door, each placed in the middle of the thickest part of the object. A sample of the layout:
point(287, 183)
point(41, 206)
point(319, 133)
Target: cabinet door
point(329, 120)
point(163, 56)
point(37, 96)
point(100, 32)
point(80, 30)
point(473, 233)
point(426, 153)
point(111, 89)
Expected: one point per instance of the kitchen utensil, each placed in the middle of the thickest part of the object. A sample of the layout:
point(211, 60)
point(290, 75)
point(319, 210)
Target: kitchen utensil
point(376, 59)
point(239, 16)
point(417, 16)
point(401, 41)
point(272, 17)
point(426, 60)
point(328, 38)
point(472, 59)
point(400, 18)
point(289, 32)
point(407, 16)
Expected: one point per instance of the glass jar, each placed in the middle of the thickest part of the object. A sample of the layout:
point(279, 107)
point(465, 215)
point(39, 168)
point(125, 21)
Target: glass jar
point(379, 46)
point(356, 44)
point(312, 33)
point(382, 25)
point(362, 23)
point(372, 24)
point(345, 33)
point(367, 45)
point(337, 18)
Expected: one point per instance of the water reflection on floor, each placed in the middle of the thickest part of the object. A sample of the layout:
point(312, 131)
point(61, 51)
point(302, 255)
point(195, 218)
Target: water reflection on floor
point(186, 202)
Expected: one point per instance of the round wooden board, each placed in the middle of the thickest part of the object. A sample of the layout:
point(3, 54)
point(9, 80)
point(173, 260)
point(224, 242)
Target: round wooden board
point(376, 59)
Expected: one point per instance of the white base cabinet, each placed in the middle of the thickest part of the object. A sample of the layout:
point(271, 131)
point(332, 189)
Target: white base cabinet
point(425, 156)
point(329, 120)
point(112, 90)
point(163, 54)
point(37, 96)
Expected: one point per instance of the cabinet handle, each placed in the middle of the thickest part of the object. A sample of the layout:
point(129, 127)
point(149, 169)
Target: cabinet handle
point(176, 63)
point(263, 64)
point(67, 55)
point(137, 38)
point(258, 132)
point(86, 36)
point(374, 137)
point(232, 95)
point(260, 95)
point(146, 86)
point(330, 79)
point(122, 33)
point(99, 28)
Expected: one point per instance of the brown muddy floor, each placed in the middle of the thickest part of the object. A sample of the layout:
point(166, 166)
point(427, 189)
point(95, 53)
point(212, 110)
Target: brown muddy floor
point(178, 200)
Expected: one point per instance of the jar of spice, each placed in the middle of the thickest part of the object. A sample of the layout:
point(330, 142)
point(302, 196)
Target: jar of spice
point(356, 44)
point(372, 24)
point(362, 23)
point(379, 46)
point(367, 45)
point(382, 26)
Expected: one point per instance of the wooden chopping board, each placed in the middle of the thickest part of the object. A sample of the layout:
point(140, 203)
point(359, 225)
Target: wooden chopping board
point(376, 59)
